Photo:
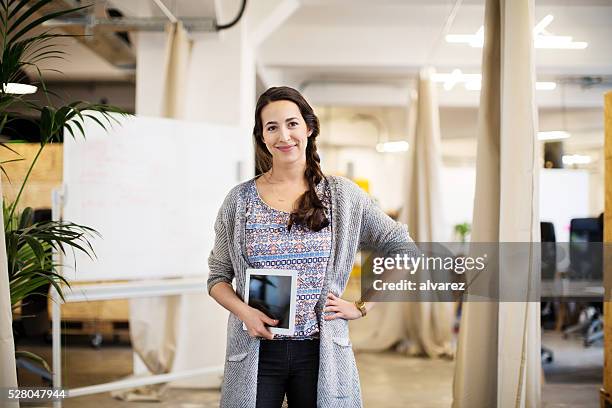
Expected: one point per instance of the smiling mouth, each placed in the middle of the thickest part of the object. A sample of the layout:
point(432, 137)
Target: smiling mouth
point(285, 148)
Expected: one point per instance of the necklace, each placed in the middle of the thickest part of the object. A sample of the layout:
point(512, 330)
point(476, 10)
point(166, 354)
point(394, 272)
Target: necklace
point(288, 189)
point(273, 188)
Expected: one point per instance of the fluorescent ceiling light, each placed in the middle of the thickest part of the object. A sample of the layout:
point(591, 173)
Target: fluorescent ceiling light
point(452, 79)
point(553, 135)
point(542, 38)
point(553, 42)
point(392, 147)
point(540, 86)
point(473, 85)
point(474, 40)
point(455, 76)
point(539, 28)
point(571, 159)
point(472, 81)
point(546, 86)
point(18, 89)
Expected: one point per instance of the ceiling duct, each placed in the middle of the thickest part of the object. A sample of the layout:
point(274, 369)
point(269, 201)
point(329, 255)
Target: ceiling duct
point(105, 30)
point(106, 44)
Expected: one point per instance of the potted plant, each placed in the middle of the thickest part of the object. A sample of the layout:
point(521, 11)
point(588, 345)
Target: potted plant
point(462, 231)
point(29, 245)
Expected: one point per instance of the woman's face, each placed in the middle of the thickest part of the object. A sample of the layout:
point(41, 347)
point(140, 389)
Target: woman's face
point(285, 133)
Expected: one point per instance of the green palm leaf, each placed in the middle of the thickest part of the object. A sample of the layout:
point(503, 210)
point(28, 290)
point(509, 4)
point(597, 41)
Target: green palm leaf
point(29, 253)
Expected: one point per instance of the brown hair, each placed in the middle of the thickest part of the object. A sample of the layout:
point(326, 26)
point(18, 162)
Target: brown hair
point(310, 211)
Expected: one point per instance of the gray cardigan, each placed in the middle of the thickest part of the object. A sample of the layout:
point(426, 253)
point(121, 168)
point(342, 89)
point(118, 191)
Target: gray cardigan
point(356, 222)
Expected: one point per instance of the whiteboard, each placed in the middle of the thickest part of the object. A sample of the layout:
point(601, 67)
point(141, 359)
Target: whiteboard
point(564, 194)
point(152, 188)
point(457, 185)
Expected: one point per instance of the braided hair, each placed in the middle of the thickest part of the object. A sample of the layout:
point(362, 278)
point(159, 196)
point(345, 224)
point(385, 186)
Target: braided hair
point(310, 211)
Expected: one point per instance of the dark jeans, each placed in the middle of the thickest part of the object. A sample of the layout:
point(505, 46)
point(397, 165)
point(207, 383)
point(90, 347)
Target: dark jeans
point(288, 367)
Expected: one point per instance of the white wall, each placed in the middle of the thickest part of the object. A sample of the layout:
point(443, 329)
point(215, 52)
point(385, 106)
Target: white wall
point(349, 135)
point(221, 78)
point(384, 171)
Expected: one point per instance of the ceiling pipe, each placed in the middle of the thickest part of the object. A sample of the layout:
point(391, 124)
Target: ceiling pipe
point(90, 21)
point(165, 10)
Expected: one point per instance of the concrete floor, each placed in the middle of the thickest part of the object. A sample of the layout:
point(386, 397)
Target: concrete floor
point(575, 376)
point(388, 379)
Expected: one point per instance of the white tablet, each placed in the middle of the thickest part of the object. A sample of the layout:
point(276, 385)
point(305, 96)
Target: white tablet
point(274, 292)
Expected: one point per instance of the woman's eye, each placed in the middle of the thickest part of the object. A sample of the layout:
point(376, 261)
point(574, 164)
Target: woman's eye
point(293, 124)
point(271, 128)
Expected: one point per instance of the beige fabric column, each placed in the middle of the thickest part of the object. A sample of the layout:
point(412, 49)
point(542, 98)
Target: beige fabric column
point(155, 323)
point(8, 371)
point(178, 53)
point(429, 323)
point(498, 354)
point(386, 325)
point(475, 380)
point(423, 328)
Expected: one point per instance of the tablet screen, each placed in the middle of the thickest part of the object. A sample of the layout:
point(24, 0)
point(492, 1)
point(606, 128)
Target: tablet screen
point(272, 295)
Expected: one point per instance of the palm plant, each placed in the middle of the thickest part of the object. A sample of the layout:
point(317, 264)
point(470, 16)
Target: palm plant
point(29, 245)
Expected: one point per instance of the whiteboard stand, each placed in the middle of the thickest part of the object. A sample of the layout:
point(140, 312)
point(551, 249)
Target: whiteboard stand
point(124, 290)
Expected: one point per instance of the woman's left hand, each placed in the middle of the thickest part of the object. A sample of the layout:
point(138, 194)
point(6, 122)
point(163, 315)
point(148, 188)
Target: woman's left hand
point(340, 308)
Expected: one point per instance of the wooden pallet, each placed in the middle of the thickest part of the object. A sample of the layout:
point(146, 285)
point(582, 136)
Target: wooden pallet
point(101, 320)
point(111, 310)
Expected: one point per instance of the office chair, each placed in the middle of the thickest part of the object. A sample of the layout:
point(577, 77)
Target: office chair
point(548, 270)
point(586, 259)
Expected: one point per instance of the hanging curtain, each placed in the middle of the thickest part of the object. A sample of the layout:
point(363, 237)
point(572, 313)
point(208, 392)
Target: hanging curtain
point(8, 370)
point(155, 323)
point(421, 328)
point(429, 324)
point(386, 324)
point(498, 353)
point(178, 53)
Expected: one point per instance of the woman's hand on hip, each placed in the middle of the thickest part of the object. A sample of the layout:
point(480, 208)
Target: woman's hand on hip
point(256, 321)
point(340, 308)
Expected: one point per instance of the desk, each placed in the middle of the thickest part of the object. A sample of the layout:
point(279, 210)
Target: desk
point(572, 290)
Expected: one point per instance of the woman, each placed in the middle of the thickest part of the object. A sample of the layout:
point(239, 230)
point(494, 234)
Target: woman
point(292, 210)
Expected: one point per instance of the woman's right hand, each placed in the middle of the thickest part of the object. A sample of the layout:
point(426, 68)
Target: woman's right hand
point(256, 321)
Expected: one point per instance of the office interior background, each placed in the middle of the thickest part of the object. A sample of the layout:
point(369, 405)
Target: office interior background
point(375, 72)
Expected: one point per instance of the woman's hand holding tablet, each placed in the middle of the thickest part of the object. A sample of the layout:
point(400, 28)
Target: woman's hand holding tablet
point(257, 323)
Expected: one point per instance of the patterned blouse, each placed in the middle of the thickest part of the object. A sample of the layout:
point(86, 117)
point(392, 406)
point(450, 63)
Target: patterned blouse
point(269, 245)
